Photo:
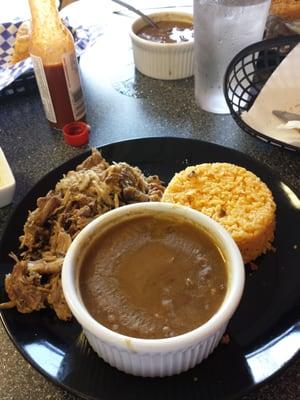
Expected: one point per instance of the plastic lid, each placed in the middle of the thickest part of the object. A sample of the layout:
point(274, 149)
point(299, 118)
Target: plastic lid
point(76, 133)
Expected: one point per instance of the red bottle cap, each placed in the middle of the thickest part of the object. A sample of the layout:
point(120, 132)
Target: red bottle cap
point(76, 133)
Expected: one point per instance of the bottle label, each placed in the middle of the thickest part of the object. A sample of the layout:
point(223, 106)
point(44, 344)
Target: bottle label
point(71, 70)
point(43, 88)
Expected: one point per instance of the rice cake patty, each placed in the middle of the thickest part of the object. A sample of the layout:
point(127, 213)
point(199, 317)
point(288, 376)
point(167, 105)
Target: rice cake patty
point(234, 197)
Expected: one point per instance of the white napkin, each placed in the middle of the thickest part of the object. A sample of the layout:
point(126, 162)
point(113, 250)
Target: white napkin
point(281, 92)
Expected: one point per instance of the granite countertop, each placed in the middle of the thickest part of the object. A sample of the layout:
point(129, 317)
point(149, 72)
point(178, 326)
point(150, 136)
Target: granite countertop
point(121, 104)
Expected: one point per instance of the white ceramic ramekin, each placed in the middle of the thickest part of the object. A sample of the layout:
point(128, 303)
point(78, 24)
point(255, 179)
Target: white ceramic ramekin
point(7, 181)
point(163, 60)
point(154, 357)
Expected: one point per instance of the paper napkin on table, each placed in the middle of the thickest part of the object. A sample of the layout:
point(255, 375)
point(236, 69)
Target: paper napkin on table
point(281, 92)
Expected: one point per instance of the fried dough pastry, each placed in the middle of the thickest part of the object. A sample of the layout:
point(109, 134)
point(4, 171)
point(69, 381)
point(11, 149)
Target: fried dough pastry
point(287, 9)
point(22, 42)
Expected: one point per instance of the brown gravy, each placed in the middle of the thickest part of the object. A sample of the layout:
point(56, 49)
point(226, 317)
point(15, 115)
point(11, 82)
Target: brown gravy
point(169, 32)
point(153, 278)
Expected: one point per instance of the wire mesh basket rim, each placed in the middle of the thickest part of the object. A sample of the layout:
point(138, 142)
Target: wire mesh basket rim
point(267, 44)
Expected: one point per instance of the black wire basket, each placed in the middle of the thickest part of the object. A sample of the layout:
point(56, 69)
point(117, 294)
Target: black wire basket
point(247, 74)
point(23, 85)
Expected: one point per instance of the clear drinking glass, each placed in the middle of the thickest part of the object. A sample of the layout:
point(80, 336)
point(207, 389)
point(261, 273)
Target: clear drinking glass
point(222, 29)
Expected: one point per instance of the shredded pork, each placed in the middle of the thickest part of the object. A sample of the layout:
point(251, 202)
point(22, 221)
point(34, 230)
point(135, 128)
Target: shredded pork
point(94, 188)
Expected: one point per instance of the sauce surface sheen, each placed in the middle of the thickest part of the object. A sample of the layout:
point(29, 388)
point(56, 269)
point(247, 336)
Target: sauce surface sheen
point(168, 32)
point(153, 277)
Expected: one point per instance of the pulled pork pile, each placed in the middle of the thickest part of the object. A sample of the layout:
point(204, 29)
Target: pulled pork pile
point(92, 189)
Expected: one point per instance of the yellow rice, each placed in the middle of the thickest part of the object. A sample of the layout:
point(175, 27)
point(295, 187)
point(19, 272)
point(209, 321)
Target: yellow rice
point(234, 197)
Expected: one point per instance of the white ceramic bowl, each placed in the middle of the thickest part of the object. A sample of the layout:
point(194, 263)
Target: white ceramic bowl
point(153, 357)
point(163, 60)
point(7, 181)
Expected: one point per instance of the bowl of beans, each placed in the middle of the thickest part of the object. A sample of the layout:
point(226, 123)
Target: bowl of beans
point(166, 51)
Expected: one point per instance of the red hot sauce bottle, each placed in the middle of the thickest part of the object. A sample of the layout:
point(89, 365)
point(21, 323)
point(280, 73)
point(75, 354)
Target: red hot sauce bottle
point(55, 65)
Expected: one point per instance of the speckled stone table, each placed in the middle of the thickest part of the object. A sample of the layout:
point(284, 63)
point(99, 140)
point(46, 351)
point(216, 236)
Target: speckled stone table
point(121, 104)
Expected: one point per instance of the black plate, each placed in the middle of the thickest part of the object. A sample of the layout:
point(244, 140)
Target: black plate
point(264, 331)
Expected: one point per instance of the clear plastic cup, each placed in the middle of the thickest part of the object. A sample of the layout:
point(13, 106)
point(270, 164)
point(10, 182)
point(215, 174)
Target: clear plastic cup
point(222, 29)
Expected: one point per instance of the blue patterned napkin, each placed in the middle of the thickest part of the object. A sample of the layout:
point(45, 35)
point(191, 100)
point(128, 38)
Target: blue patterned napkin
point(84, 37)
